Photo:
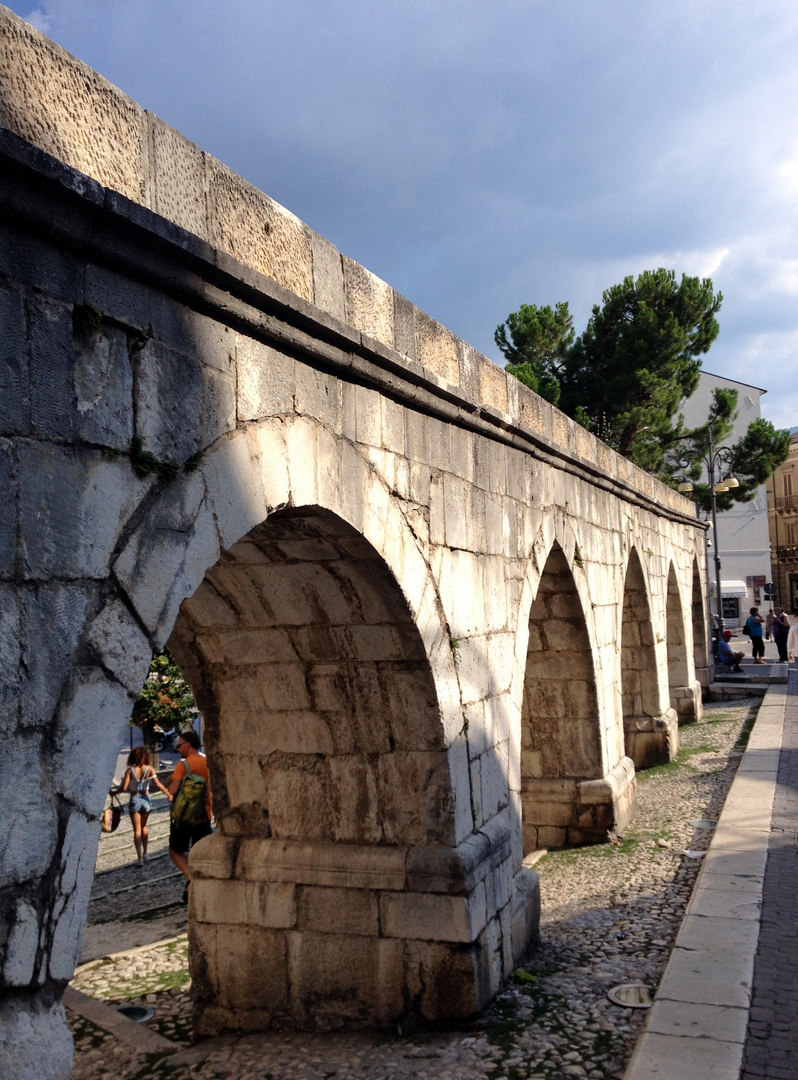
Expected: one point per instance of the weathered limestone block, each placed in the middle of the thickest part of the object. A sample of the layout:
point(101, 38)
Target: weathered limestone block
point(369, 302)
point(75, 877)
point(433, 918)
point(268, 904)
point(415, 797)
point(54, 101)
point(50, 624)
point(493, 386)
point(165, 559)
point(347, 866)
point(73, 506)
point(177, 177)
point(35, 1042)
point(21, 945)
point(103, 385)
point(319, 396)
point(91, 725)
point(14, 410)
point(240, 969)
point(265, 380)
point(525, 913)
point(437, 349)
point(123, 648)
point(328, 277)
point(27, 810)
point(687, 702)
point(336, 978)
point(258, 231)
point(355, 800)
point(651, 740)
point(327, 910)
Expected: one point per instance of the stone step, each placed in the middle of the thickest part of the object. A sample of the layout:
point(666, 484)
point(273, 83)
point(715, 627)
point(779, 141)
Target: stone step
point(760, 679)
point(728, 691)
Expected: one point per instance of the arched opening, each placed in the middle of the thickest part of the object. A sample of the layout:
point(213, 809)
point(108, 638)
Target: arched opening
point(560, 738)
point(651, 736)
point(681, 693)
point(329, 770)
point(700, 633)
point(320, 708)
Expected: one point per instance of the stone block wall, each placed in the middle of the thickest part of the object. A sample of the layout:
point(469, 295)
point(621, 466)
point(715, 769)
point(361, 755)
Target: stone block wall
point(312, 935)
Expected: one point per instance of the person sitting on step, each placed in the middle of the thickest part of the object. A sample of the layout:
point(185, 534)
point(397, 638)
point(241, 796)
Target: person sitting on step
point(726, 655)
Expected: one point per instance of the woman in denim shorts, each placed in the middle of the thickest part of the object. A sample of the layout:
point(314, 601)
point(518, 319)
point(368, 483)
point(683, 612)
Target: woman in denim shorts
point(138, 777)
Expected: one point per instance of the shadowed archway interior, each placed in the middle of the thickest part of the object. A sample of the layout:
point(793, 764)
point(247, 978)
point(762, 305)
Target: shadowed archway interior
point(700, 645)
point(320, 708)
point(678, 671)
point(560, 739)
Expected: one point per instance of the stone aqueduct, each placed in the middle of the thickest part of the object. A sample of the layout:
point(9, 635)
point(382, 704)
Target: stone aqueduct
point(431, 624)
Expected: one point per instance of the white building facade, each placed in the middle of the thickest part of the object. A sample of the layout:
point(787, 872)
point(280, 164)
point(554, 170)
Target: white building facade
point(742, 538)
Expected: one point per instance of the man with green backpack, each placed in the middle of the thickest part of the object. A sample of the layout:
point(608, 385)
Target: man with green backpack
point(190, 789)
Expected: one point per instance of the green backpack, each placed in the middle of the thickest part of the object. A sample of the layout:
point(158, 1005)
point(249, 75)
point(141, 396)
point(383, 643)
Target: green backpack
point(188, 805)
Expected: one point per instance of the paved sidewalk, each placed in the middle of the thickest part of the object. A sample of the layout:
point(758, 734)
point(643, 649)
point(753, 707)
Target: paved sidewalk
point(727, 1005)
point(771, 1049)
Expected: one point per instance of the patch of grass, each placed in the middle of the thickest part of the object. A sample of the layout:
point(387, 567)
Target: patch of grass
point(745, 732)
point(172, 980)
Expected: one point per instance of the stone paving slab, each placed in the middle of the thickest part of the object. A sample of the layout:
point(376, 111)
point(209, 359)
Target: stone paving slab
point(127, 1031)
point(712, 965)
point(771, 1049)
point(700, 1021)
point(674, 1057)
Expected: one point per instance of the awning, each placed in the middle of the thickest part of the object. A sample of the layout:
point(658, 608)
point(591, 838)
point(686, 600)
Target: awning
point(733, 588)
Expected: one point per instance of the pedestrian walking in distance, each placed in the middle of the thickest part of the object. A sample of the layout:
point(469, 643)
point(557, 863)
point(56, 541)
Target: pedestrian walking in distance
point(138, 777)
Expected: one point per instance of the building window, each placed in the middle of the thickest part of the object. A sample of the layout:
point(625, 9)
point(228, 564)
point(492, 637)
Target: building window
point(731, 609)
point(791, 535)
point(787, 485)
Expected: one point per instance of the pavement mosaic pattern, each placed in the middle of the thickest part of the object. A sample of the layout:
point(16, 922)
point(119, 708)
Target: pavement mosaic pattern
point(610, 916)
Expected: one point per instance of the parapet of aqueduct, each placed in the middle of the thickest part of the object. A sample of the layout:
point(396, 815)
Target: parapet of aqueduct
point(432, 625)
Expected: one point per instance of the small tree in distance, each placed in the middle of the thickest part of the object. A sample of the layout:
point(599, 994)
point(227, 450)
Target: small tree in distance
point(165, 701)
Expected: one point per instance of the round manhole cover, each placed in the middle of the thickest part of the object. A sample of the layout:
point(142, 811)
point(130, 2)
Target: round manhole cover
point(138, 1013)
point(632, 995)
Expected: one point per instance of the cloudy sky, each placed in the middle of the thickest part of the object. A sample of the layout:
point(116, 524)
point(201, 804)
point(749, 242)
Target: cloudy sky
point(478, 156)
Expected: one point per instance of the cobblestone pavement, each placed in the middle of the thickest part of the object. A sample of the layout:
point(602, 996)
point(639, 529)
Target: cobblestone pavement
point(610, 915)
point(771, 1049)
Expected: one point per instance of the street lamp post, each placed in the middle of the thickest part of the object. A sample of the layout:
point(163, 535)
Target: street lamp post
point(716, 460)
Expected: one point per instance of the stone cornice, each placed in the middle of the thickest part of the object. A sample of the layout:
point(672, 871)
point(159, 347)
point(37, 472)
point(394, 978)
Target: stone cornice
point(41, 194)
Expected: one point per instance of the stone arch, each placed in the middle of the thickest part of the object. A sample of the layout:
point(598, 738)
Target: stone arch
point(681, 698)
point(677, 644)
point(649, 734)
point(700, 632)
point(436, 913)
point(329, 767)
point(320, 708)
point(565, 797)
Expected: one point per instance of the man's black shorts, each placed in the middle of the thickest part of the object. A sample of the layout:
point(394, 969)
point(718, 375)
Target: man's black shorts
point(182, 836)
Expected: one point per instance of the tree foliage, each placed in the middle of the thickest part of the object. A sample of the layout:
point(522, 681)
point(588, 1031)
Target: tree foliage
point(638, 357)
point(752, 459)
point(536, 341)
point(625, 376)
point(165, 701)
